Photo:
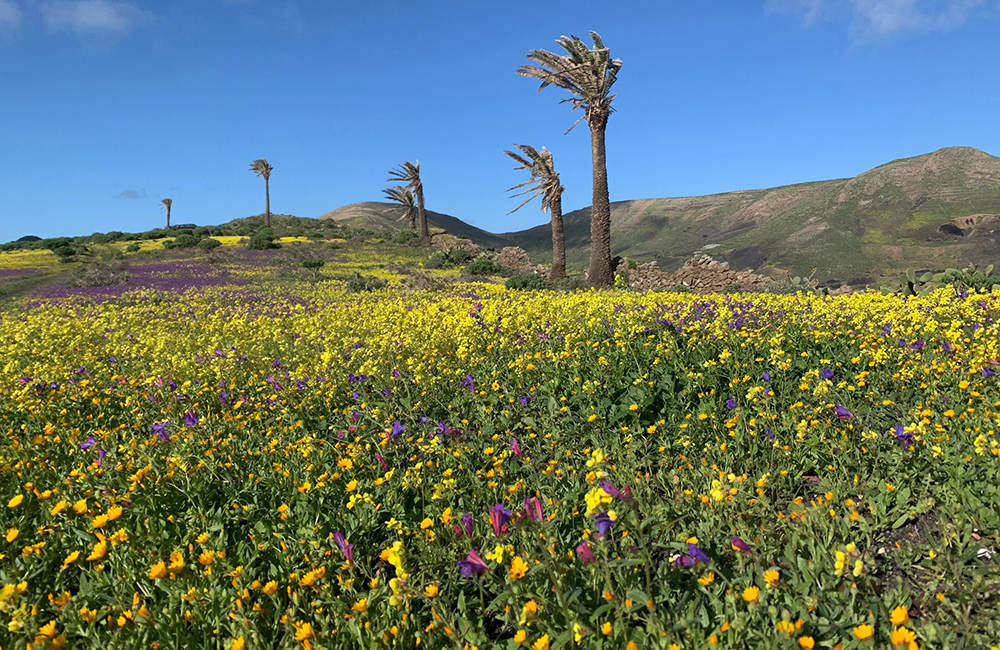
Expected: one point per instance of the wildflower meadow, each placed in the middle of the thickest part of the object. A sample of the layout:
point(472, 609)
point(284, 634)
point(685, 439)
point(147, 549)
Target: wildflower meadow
point(299, 466)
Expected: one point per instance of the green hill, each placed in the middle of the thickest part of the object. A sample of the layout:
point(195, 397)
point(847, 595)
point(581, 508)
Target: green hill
point(387, 217)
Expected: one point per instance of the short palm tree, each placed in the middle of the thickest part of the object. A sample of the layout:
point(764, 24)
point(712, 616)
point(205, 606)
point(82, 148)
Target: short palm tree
point(403, 196)
point(166, 203)
point(544, 182)
point(263, 169)
point(409, 173)
point(588, 75)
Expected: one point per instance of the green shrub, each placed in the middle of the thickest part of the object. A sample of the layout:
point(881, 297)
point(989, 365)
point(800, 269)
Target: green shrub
point(209, 244)
point(65, 252)
point(184, 240)
point(403, 237)
point(528, 282)
point(358, 283)
point(132, 248)
point(263, 240)
point(483, 266)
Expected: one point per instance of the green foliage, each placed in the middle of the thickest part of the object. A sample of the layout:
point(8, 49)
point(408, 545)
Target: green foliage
point(622, 281)
point(968, 279)
point(447, 258)
point(403, 236)
point(528, 282)
point(132, 248)
point(483, 265)
point(262, 240)
point(209, 244)
point(65, 251)
point(184, 240)
point(358, 283)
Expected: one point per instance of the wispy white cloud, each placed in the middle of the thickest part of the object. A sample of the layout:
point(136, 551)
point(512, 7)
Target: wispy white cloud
point(90, 16)
point(10, 15)
point(884, 17)
point(131, 195)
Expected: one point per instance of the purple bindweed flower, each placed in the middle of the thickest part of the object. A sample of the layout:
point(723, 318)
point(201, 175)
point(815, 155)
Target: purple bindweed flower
point(397, 429)
point(191, 420)
point(730, 404)
point(101, 454)
point(585, 553)
point(603, 523)
point(381, 461)
point(468, 383)
point(843, 413)
point(697, 554)
point(986, 372)
point(386, 392)
point(826, 373)
point(468, 524)
point(740, 546)
point(904, 437)
point(917, 345)
point(525, 400)
point(947, 346)
point(472, 565)
point(88, 443)
point(499, 517)
point(160, 429)
point(396, 373)
point(766, 376)
point(685, 561)
point(348, 549)
point(516, 448)
point(625, 494)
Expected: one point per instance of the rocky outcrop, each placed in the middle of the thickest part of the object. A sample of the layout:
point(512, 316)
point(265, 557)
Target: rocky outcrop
point(701, 274)
point(517, 259)
point(442, 240)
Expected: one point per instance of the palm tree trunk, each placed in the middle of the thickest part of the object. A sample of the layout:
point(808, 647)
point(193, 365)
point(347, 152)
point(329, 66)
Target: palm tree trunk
point(558, 241)
point(168, 217)
point(413, 219)
point(267, 195)
point(424, 231)
point(600, 213)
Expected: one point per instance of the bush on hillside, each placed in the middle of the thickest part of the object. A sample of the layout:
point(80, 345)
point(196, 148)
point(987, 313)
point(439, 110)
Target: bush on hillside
point(528, 282)
point(403, 237)
point(483, 266)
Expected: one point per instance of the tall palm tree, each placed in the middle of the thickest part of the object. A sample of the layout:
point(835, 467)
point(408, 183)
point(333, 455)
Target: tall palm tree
point(403, 196)
point(588, 75)
point(409, 173)
point(544, 182)
point(166, 203)
point(263, 169)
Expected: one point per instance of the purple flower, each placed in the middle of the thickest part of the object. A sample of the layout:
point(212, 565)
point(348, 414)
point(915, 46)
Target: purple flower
point(190, 419)
point(533, 508)
point(396, 373)
point(386, 392)
point(585, 553)
point(472, 565)
point(917, 345)
point(100, 456)
point(766, 376)
point(624, 494)
point(468, 524)
point(499, 517)
point(986, 372)
point(381, 461)
point(740, 545)
point(697, 554)
point(88, 443)
point(516, 448)
point(843, 413)
point(904, 437)
point(525, 400)
point(468, 383)
point(160, 429)
point(348, 549)
point(397, 428)
point(685, 561)
point(947, 346)
point(603, 523)
point(730, 404)
point(826, 373)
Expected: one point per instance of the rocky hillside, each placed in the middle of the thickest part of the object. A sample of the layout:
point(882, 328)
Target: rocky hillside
point(928, 212)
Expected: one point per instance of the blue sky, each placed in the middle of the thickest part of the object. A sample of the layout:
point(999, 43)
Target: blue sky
point(110, 106)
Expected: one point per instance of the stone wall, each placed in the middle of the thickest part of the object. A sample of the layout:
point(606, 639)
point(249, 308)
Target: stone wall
point(702, 274)
point(517, 259)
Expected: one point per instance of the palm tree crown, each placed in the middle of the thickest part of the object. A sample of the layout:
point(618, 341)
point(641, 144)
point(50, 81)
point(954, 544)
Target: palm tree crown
point(587, 74)
point(544, 179)
point(409, 173)
point(403, 196)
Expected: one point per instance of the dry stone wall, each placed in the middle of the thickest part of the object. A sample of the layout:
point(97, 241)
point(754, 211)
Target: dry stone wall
point(701, 274)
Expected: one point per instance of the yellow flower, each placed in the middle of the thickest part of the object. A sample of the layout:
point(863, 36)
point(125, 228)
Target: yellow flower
point(12, 534)
point(771, 577)
point(207, 558)
point(520, 636)
point(806, 643)
point(238, 644)
point(864, 632)
point(595, 499)
point(59, 507)
point(902, 636)
point(427, 523)
point(351, 486)
point(751, 594)
point(16, 501)
point(900, 615)
point(158, 571)
point(360, 606)
point(270, 588)
point(70, 559)
point(606, 629)
point(708, 578)
point(541, 643)
point(201, 538)
point(80, 507)
point(518, 568)
point(176, 563)
point(99, 552)
point(88, 614)
point(431, 591)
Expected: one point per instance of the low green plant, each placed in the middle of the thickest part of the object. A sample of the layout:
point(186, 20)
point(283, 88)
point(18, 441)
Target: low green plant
point(528, 282)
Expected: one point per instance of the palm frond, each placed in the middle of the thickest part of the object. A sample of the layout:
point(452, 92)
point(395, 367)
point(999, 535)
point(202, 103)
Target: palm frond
point(261, 168)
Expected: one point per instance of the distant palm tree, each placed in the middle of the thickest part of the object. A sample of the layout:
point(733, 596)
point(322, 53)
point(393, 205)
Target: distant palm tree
point(403, 196)
point(544, 182)
point(263, 169)
point(166, 203)
point(587, 74)
point(409, 173)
